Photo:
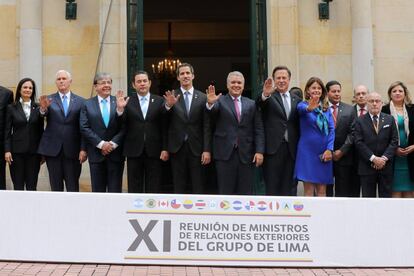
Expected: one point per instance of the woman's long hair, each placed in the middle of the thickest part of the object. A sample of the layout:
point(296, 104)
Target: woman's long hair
point(19, 90)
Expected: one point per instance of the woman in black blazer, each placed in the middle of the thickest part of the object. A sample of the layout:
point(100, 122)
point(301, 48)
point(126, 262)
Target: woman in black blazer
point(401, 108)
point(24, 128)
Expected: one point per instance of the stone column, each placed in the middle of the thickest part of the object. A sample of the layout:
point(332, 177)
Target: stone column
point(362, 44)
point(282, 36)
point(31, 41)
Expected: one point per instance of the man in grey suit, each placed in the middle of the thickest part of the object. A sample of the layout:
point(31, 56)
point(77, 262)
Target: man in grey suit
point(376, 139)
point(61, 142)
point(102, 129)
point(238, 140)
point(189, 133)
point(281, 125)
point(344, 117)
point(6, 98)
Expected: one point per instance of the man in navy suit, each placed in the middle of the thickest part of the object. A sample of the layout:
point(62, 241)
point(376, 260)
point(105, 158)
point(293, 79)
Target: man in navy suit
point(189, 134)
point(101, 127)
point(6, 98)
point(61, 142)
point(281, 125)
point(238, 140)
point(376, 139)
point(145, 144)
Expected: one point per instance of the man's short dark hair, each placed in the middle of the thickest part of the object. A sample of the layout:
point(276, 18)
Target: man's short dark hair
point(281, 67)
point(139, 72)
point(185, 65)
point(330, 83)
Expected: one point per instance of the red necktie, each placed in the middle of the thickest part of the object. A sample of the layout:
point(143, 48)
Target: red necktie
point(335, 112)
point(361, 112)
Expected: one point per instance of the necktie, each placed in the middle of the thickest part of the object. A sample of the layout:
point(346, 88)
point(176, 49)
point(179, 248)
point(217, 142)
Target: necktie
point(286, 104)
point(361, 112)
point(65, 104)
point(187, 101)
point(236, 106)
point(335, 112)
point(144, 106)
point(375, 122)
point(105, 112)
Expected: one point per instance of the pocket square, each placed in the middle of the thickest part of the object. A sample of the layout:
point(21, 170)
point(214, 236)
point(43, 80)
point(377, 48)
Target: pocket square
point(385, 126)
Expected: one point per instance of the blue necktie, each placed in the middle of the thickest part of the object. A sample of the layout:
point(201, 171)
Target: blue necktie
point(144, 106)
point(65, 104)
point(187, 101)
point(105, 112)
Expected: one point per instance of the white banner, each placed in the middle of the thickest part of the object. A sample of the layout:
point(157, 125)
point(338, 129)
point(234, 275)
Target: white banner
point(206, 230)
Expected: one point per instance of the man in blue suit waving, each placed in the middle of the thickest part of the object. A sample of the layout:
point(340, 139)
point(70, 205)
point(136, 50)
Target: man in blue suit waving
point(61, 142)
point(102, 129)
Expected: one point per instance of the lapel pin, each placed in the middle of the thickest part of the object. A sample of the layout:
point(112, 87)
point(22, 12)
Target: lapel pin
point(152, 100)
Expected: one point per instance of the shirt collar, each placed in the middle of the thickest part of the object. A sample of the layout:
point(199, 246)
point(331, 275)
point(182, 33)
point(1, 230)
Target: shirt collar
point(67, 95)
point(100, 99)
point(147, 97)
point(191, 90)
point(25, 103)
point(287, 93)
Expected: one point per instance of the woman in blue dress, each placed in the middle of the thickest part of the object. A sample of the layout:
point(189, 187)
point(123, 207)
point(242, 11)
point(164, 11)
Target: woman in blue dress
point(317, 135)
point(403, 112)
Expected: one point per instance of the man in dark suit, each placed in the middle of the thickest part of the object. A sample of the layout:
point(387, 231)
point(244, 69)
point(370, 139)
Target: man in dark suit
point(61, 142)
point(281, 125)
point(344, 117)
point(102, 129)
point(376, 139)
point(360, 109)
point(238, 141)
point(145, 144)
point(189, 133)
point(6, 98)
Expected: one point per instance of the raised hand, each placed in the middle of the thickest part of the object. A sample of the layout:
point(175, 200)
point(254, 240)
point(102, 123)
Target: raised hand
point(170, 99)
point(268, 87)
point(8, 157)
point(313, 102)
point(121, 101)
point(212, 98)
point(44, 102)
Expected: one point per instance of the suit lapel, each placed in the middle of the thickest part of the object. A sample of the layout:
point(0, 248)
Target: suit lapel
point(370, 123)
point(380, 122)
point(230, 102)
point(73, 101)
point(279, 103)
point(137, 105)
point(58, 101)
point(19, 109)
point(97, 107)
point(181, 104)
point(112, 110)
point(32, 111)
point(194, 102)
point(150, 109)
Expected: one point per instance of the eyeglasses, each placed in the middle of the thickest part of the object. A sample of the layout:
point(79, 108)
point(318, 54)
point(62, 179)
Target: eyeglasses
point(104, 82)
point(374, 101)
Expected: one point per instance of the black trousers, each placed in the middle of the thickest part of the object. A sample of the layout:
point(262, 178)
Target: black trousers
point(63, 171)
point(106, 176)
point(2, 173)
point(233, 176)
point(24, 171)
point(278, 172)
point(144, 174)
point(370, 182)
point(343, 181)
point(188, 173)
